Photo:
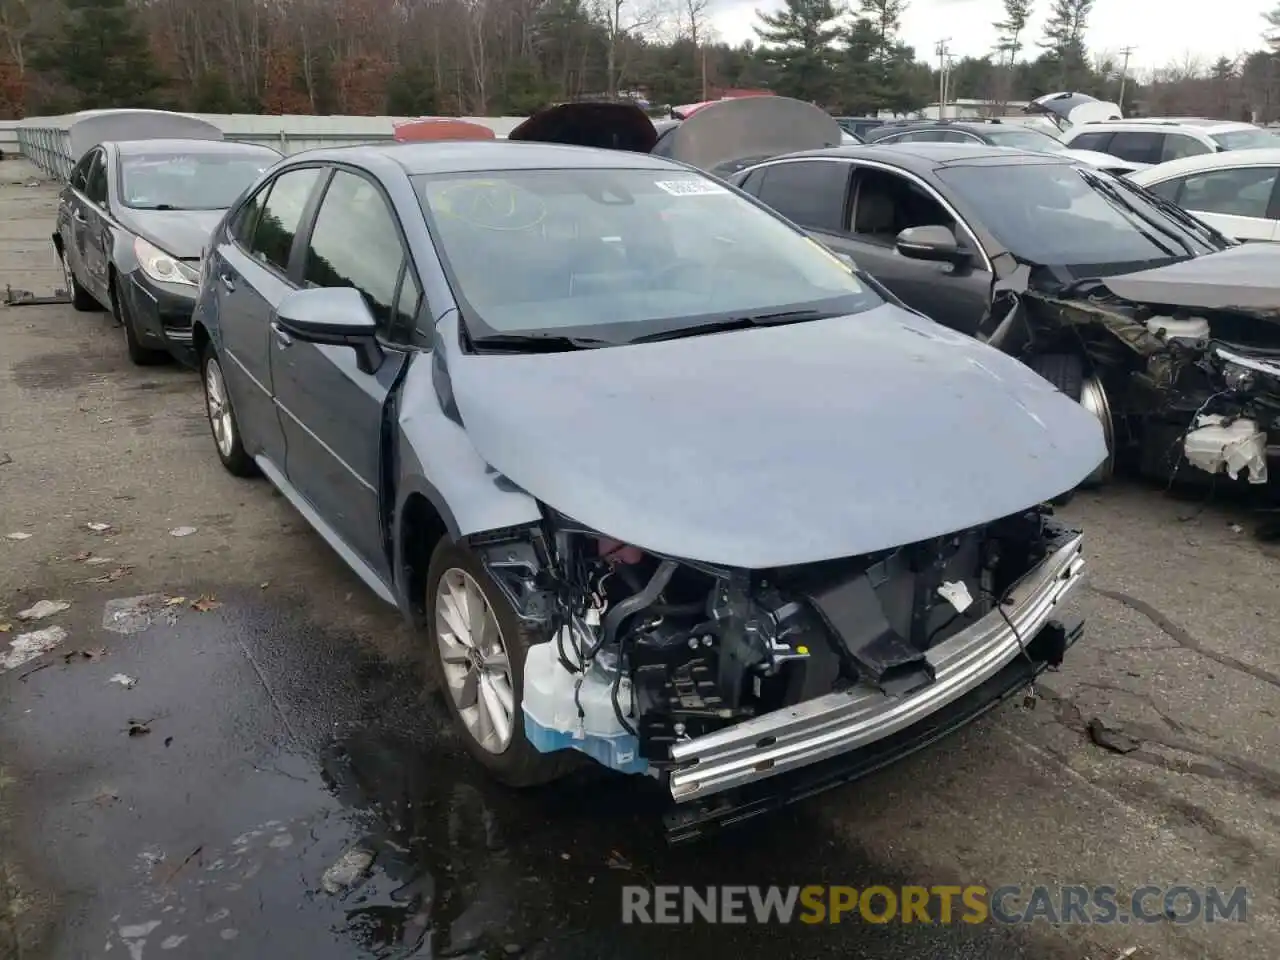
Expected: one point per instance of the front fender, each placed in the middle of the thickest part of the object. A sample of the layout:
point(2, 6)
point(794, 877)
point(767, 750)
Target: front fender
point(438, 461)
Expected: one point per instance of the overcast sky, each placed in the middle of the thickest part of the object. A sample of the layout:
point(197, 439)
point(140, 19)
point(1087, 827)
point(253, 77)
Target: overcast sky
point(1162, 31)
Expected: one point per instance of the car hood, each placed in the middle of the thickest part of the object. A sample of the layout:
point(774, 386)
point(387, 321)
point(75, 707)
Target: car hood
point(179, 233)
point(1239, 278)
point(780, 445)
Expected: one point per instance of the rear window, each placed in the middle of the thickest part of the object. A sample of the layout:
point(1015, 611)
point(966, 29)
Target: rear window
point(1245, 139)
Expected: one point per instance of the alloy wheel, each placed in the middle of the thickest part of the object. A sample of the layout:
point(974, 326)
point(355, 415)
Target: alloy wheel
point(215, 389)
point(474, 654)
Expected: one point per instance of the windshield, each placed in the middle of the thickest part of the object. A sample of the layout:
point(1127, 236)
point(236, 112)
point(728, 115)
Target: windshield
point(1025, 140)
point(1245, 139)
point(189, 181)
point(1058, 214)
point(621, 253)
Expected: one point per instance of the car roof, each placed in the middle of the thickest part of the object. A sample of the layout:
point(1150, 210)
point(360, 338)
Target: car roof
point(1197, 127)
point(180, 146)
point(466, 156)
point(924, 157)
point(1264, 157)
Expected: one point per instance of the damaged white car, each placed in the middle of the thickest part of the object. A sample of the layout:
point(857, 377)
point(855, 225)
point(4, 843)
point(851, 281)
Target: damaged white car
point(662, 481)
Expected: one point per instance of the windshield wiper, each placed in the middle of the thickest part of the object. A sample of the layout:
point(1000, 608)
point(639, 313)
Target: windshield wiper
point(740, 322)
point(1124, 204)
point(536, 343)
point(1175, 212)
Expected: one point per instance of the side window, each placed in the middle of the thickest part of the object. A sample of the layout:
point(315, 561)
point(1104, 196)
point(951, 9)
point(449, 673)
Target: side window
point(96, 182)
point(1168, 189)
point(921, 136)
point(1144, 146)
point(356, 243)
point(281, 215)
point(1178, 145)
point(1242, 192)
point(885, 204)
point(1098, 142)
point(753, 181)
point(958, 136)
point(810, 193)
point(80, 175)
point(246, 218)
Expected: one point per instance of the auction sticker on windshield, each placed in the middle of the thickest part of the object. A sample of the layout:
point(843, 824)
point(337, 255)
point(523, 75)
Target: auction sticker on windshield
point(689, 188)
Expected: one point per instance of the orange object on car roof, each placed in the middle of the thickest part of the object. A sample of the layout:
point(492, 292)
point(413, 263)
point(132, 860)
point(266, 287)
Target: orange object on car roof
point(440, 128)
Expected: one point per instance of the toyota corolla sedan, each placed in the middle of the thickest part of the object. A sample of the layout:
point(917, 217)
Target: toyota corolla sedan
point(660, 481)
point(131, 224)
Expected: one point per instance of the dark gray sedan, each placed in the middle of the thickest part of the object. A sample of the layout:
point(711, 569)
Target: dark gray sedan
point(132, 223)
point(661, 480)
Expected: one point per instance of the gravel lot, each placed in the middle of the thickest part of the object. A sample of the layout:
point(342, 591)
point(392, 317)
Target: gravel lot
point(289, 720)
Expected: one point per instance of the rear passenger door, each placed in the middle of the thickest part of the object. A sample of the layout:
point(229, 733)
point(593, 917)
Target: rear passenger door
point(331, 410)
point(1136, 146)
point(251, 277)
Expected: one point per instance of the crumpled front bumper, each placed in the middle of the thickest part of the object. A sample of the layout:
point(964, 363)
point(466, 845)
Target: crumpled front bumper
point(817, 730)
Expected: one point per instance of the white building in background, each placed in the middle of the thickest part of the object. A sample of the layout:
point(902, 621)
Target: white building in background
point(972, 109)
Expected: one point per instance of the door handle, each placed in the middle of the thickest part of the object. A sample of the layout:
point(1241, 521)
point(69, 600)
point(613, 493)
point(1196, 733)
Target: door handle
point(228, 280)
point(282, 339)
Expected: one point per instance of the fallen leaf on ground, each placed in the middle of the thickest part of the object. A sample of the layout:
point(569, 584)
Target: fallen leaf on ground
point(82, 556)
point(17, 535)
point(96, 561)
point(105, 798)
point(98, 527)
point(124, 680)
point(175, 601)
point(205, 603)
point(42, 609)
point(5, 627)
point(182, 531)
point(264, 584)
point(139, 728)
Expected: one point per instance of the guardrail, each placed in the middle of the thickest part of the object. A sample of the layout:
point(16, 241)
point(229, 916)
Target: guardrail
point(45, 142)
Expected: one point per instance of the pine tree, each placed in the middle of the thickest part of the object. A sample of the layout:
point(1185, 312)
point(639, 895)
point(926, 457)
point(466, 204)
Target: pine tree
point(1009, 30)
point(103, 54)
point(799, 38)
point(1064, 38)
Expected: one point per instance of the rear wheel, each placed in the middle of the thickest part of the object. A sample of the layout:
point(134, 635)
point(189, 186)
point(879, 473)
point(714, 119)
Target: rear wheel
point(478, 647)
point(1067, 372)
point(222, 418)
point(81, 298)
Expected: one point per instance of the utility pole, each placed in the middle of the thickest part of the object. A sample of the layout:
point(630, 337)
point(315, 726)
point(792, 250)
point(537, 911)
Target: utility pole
point(1127, 52)
point(704, 74)
point(942, 77)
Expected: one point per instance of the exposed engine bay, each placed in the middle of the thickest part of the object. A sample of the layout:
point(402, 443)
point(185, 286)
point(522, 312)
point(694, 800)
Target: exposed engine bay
point(645, 656)
point(1184, 385)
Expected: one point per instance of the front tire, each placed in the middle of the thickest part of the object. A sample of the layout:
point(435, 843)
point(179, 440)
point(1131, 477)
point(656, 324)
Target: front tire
point(477, 648)
point(1067, 372)
point(141, 356)
point(222, 418)
point(81, 299)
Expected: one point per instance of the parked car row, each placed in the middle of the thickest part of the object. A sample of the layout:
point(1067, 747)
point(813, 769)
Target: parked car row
point(716, 463)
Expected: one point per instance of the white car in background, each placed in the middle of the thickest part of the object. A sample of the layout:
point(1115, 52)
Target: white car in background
point(1237, 192)
point(1148, 142)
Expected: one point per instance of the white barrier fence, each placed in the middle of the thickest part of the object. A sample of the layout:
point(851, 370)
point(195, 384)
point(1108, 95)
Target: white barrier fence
point(44, 140)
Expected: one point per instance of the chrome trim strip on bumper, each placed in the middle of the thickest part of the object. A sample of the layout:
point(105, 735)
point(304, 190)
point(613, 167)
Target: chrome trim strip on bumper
point(836, 723)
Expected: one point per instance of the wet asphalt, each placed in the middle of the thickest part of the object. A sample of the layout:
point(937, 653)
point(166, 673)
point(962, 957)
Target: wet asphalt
point(274, 745)
point(291, 722)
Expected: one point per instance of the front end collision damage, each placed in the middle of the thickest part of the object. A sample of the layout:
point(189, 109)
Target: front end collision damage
point(1207, 400)
point(713, 680)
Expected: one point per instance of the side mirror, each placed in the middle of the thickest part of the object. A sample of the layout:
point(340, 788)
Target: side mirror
point(935, 243)
point(336, 316)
